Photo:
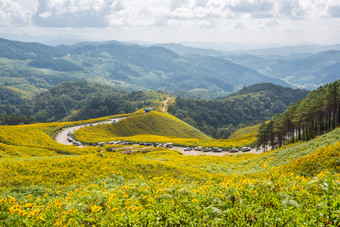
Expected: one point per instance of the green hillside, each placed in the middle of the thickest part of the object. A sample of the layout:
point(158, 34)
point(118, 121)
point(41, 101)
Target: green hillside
point(33, 66)
point(251, 105)
point(10, 97)
point(75, 101)
point(315, 115)
point(143, 125)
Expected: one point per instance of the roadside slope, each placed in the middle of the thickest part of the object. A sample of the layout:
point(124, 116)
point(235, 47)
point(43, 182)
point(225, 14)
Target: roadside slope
point(153, 123)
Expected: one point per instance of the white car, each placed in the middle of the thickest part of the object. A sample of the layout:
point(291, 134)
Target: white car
point(102, 144)
point(76, 143)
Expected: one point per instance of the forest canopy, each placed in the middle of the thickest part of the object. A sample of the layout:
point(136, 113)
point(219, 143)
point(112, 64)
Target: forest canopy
point(251, 105)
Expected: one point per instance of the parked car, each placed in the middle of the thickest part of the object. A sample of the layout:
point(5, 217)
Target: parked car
point(148, 144)
point(188, 149)
point(245, 149)
point(233, 150)
point(168, 145)
point(76, 143)
point(216, 149)
point(102, 144)
point(207, 149)
point(142, 144)
point(112, 142)
point(70, 139)
point(198, 148)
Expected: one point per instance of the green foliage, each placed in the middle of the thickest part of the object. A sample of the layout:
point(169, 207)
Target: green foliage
point(74, 101)
point(14, 119)
point(56, 64)
point(315, 115)
point(115, 103)
point(252, 105)
point(9, 100)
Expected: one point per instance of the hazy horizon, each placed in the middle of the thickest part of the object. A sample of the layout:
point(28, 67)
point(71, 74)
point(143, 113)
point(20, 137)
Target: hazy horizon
point(257, 23)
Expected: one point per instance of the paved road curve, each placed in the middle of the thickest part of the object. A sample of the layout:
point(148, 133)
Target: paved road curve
point(61, 137)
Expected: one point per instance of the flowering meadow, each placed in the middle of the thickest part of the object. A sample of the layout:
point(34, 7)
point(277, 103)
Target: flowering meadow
point(157, 127)
point(43, 183)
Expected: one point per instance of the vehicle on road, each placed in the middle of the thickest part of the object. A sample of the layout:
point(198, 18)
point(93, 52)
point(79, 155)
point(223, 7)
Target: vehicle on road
point(216, 149)
point(245, 149)
point(102, 144)
point(207, 149)
point(76, 143)
point(233, 150)
point(168, 145)
point(70, 139)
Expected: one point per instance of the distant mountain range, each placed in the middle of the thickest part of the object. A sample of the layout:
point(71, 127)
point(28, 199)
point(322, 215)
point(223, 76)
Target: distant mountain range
point(307, 72)
point(291, 51)
point(34, 67)
point(187, 50)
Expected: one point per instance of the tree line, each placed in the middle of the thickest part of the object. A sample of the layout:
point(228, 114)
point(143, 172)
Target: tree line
point(315, 115)
point(251, 105)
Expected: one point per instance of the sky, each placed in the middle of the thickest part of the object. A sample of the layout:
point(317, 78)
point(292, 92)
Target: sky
point(266, 22)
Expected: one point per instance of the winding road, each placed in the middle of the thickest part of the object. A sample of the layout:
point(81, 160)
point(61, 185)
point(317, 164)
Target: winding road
point(61, 137)
point(165, 103)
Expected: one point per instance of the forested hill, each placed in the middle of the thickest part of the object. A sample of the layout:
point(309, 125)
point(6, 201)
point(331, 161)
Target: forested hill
point(73, 101)
point(315, 115)
point(10, 97)
point(37, 67)
point(274, 92)
point(252, 105)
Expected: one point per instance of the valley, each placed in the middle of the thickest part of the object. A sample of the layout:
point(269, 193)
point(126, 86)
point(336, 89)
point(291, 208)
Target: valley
point(60, 107)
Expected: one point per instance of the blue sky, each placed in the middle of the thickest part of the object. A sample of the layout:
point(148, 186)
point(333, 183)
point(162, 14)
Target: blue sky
point(285, 22)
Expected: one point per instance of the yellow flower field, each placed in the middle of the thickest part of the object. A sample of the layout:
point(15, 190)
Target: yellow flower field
point(43, 183)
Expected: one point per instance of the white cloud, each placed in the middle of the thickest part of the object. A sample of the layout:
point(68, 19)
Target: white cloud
point(227, 17)
point(12, 13)
point(71, 13)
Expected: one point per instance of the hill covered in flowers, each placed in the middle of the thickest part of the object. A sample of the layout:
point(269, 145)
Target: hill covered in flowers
point(44, 183)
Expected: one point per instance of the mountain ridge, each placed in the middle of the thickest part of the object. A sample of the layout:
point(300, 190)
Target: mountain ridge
point(118, 64)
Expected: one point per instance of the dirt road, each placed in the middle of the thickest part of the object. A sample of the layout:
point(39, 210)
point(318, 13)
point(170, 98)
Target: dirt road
point(165, 103)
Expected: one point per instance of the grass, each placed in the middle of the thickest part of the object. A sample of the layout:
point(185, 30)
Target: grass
point(164, 188)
